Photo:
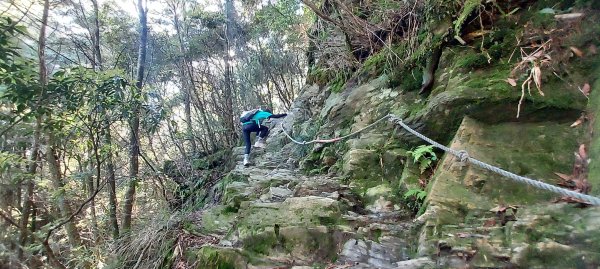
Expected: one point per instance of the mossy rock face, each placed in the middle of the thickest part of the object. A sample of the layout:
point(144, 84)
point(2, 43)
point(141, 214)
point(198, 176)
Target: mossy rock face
point(459, 220)
point(410, 176)
point(236, 192)
point(560, 235)
point(594, 148)
point(235, 189)
point(346, 112)
point(305, 245)
point(305, 228)
point(536, 150)
point(358, 103)
point(306, 211)
point(312, 244)
point(217, 258)
point(485, 95)
point(374, 193)
point(368, 168)
point(372, 159)
point(360, 163)
point(218, 220)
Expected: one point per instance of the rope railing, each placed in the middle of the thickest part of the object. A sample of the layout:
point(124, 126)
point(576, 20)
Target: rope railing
point(325, 141)
point(461, 156)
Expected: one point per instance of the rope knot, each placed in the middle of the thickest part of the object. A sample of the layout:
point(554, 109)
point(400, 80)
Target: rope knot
point(393, 119)
point(463, 156)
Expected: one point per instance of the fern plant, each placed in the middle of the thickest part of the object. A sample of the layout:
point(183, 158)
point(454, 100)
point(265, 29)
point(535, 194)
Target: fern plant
point(424, 156)
point(414, 198)
point(416, 193)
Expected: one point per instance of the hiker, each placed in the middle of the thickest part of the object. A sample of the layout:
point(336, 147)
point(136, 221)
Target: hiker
point(254, 124)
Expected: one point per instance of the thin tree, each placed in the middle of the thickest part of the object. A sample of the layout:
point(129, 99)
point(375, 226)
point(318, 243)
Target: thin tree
point(185, 72)
point(43, 82)
point(230, 35)
point(110, 166)
point(134, 149)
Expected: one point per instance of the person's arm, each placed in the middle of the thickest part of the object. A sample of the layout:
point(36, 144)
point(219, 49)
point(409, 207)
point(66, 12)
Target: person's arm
point(276, 116)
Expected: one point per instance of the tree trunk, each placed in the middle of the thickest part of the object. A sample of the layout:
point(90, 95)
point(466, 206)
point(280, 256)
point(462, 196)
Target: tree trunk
point(201, 106)
point(107, 139)
point(188, 119)
point(97, 137)
point(135, 122)
point(230, 32)
point(33, 226)
point(185, 73)
point(112, 190)
point(90, 185)
point(228, 110)
point(44, 82)
point(96, 39)
point(59, 185)
point(28, 202)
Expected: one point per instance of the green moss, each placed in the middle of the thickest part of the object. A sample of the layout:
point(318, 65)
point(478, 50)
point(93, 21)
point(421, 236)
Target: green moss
point(375, 62)
point(377, 234)
point(257, 219)
point(390, 60)
point(311, 165)
point(233, 177)
point(411, 80)
point(542, 20)
point(319, 76)
point(216, 220)
point(328, 220)
point(200, 164)
point(210, 257)
point(535, 258)
point(261, 243)
point(496, 51)
point(472, 60)
point(555, 239)
point(502, 40)
point(338, 82)
point(535, 162)
point(466, 196)
point(230, 209)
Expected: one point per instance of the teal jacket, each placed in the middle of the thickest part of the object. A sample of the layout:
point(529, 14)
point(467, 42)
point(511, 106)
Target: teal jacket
point(260, 116)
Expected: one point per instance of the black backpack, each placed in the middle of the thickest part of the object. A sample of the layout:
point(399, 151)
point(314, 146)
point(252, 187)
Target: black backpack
point(246, 116)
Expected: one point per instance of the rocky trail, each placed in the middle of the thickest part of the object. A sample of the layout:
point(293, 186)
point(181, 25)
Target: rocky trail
point(344, 205)
point(273, 215)
point(286, 219)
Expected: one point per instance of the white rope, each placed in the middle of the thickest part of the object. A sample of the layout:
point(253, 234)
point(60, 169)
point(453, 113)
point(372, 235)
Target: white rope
point(325, 141)
point(463, 156)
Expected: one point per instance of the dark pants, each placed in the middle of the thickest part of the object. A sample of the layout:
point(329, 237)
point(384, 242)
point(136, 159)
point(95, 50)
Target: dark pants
point(262, 132)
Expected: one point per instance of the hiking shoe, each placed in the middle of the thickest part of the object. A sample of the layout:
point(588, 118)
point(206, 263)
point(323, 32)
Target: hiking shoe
point(246, 160)
point(260, 143)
